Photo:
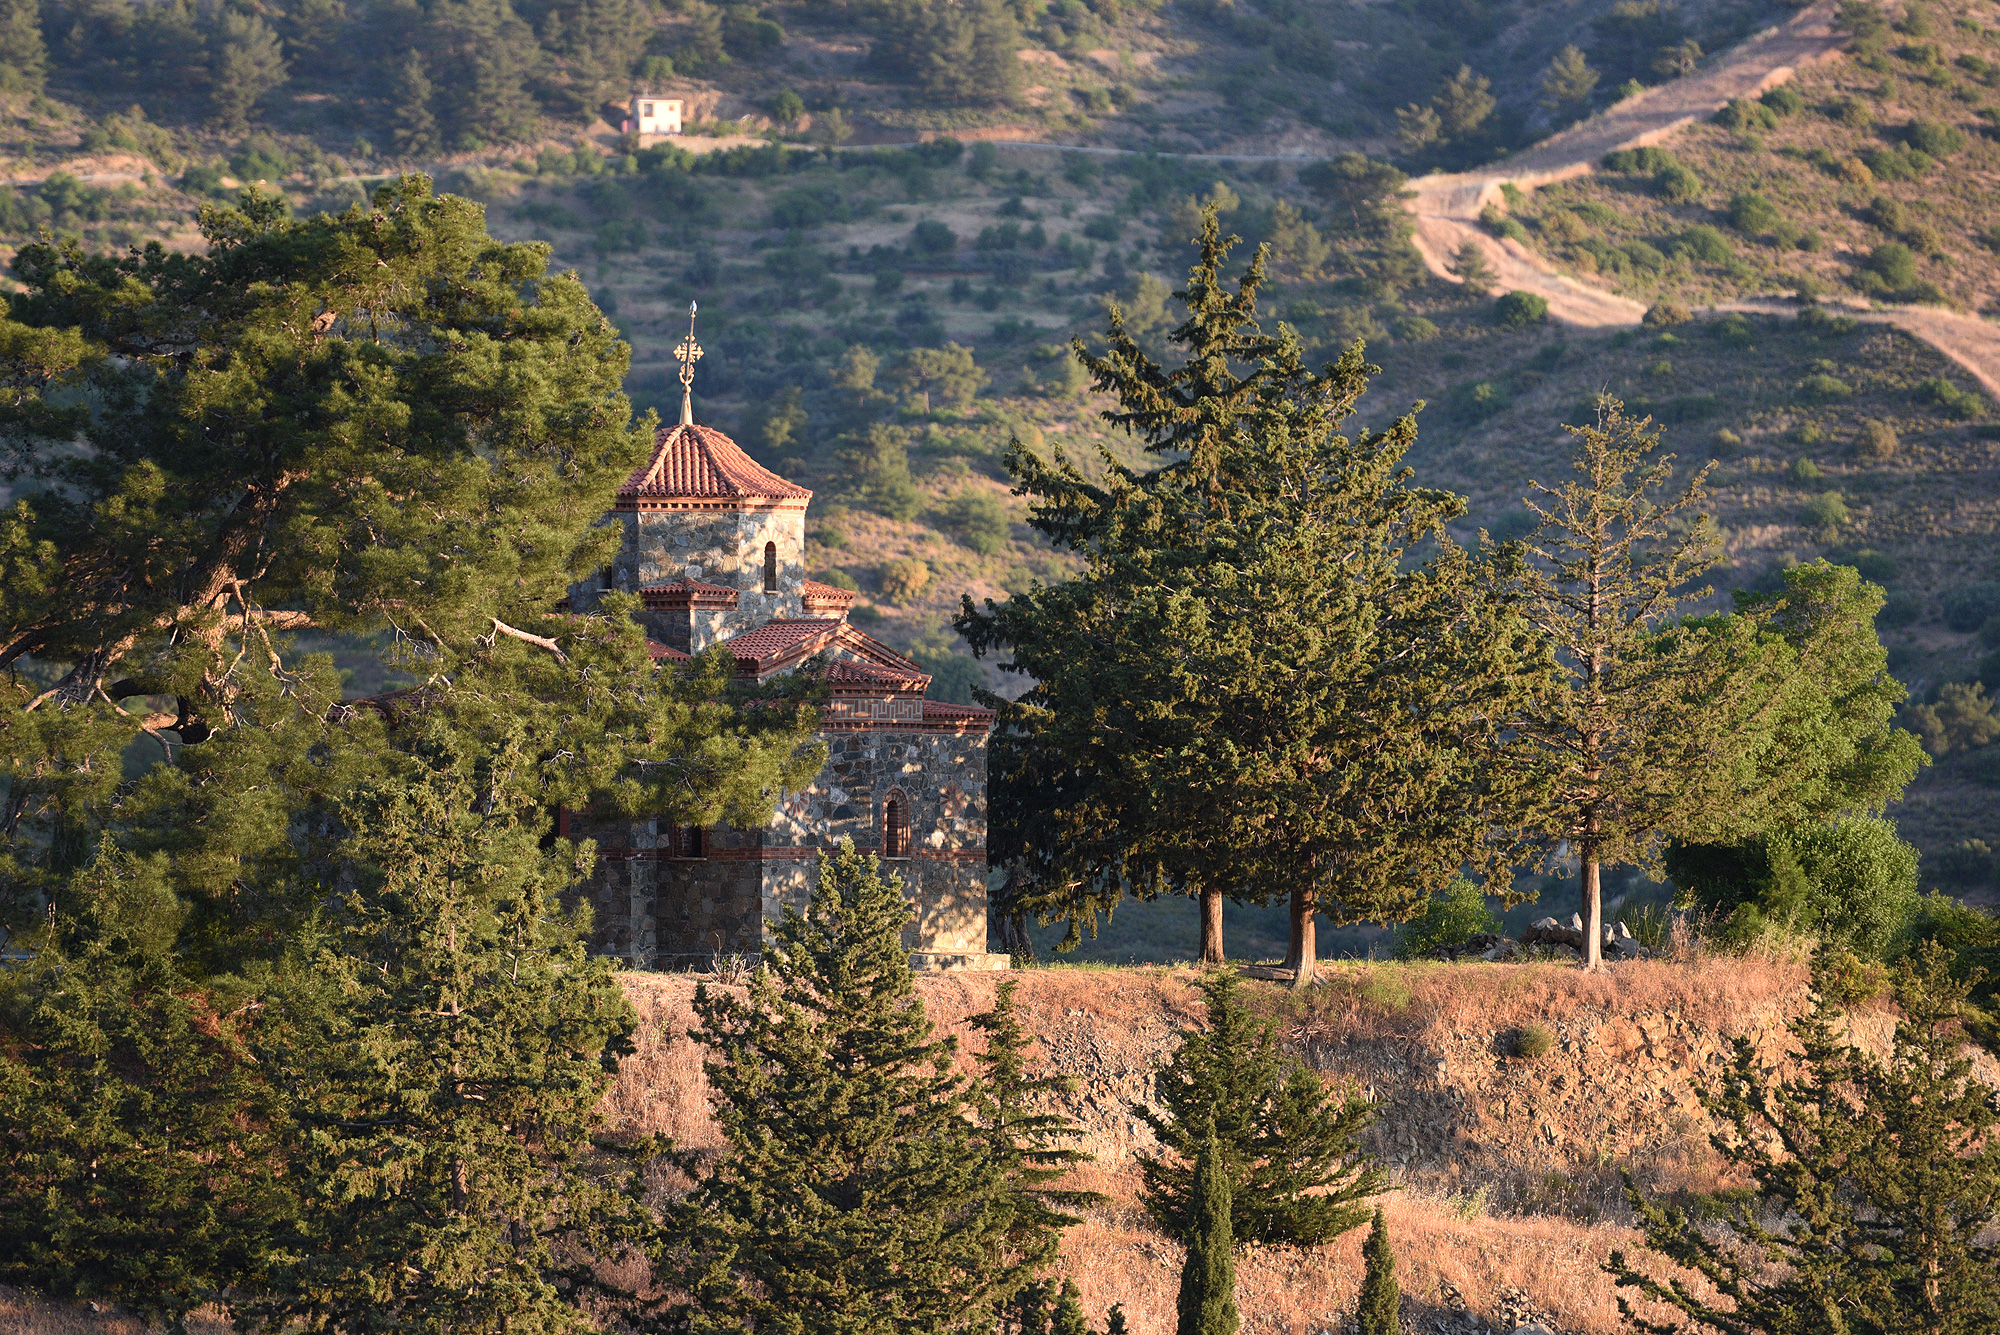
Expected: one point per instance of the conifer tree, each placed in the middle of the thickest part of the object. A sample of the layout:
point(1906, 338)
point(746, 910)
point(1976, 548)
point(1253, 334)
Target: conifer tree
point(412, 127)
point(443, 1044)
point(248, 63)
point(1207, 1304)
point(1648, 725)
point(1031, 1146)
point(1877, 1184)
point(858, 1191)
point(1381, 1304)
point(24, 58)
point(1251, 690)
point(1289, 1146)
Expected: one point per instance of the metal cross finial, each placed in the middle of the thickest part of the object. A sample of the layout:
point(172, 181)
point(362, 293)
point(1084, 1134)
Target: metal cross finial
point(687, 354)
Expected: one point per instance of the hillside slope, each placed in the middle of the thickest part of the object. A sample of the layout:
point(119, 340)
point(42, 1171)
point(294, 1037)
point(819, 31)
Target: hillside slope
point(1506, 1197)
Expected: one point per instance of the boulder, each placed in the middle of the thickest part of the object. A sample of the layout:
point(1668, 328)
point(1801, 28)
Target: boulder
point(1549, 932)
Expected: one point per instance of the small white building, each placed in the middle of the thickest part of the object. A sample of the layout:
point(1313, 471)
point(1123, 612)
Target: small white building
point(653, 115)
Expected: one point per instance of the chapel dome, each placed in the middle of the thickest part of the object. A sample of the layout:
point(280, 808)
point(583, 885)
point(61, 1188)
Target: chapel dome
point(697, 467)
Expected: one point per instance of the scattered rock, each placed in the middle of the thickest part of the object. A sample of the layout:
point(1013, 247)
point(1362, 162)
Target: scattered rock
point(1549, 932)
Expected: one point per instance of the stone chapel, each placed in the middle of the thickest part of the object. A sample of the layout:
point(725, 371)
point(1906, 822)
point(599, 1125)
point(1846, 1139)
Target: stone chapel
point(714, 546)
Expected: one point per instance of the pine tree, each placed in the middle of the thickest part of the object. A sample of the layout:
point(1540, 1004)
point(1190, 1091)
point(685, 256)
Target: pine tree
point(1648, 726)
point(1252, 688)
point(1877, 1184)
point(1567, 83)
point(444, 1044)
point(1381, 1300)
point(1207, 1303)
point(307, 426)
point(1471, 268)
point(24, 59)
point(248, 63)
point(412, 127)
point(858, 1191)
point(1289, 1146)
point(1031, 1146)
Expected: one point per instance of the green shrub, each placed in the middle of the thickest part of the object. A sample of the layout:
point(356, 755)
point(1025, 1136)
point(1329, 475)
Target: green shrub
point(1533, 1042)
point(1734, 331)
point(1499, 224)
point(1828, 510)
point(1639, 160)
point(1958, 402)
point(1816, 320)
point(1451, 916)
point(1644, 256)
point(979, 520)
point(1752, 214)
point(1803, 469)
point(1850, 882)
point(1742, 114)
point(1664, 313)
point(1517, 310)
point(1850, 111)
point(1678, 184)
point(1415, 329)
point(1968, 862)
point(1476, 400)
point(1898, 164)
point(1967, 607)
point(1785, 100)
point(904, 579)
point(1934, 138)
point(1819, 387)
point(1706, 244)
point(1959, 719)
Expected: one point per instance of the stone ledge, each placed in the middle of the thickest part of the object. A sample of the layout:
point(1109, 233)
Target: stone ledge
point(938, 961)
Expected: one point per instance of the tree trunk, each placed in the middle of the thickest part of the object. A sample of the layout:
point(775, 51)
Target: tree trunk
point(1211, 926)
point(1014, 937)
point(1593, 913)
point(1304, 952)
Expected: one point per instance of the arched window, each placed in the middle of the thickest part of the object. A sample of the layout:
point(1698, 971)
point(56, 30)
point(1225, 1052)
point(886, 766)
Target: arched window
point(685, 841)
point(896, 826)
point(770, 567)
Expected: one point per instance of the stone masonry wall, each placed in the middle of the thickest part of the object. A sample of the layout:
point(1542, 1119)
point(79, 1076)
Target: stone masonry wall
point(717, 547)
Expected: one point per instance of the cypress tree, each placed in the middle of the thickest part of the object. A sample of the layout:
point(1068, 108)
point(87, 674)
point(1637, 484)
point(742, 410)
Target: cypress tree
point(1207, 1303)
point(1253, 687)
point(1289, 1146)
point(1381, 1300)
point(1877, 1183)
point(859, 1192)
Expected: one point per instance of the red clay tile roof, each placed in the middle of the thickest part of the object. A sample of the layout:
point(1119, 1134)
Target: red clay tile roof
point(657, 651)
point(775, 637)
point(848, 672)
point(700, 463)
point(937, 709)
point(689, 592)
point(819, 597)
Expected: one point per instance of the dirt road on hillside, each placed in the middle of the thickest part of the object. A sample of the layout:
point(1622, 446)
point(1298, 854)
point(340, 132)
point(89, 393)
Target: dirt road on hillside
point(1447, 207)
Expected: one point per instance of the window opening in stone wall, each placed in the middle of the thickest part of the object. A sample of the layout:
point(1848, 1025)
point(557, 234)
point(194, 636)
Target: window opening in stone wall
point(687, 841)
point(896, 827)
point(770, 567)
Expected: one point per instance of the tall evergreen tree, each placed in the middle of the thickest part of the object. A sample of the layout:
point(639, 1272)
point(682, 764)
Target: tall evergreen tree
point(859, 1192)
point(24, 58)
point(1877, 1185)
point(1289, 1145)
point(1381, 1305)
point(1031, 1145)
point(443, 1044)
point(1253, 688)
point(1649, 725)
point(248, 63)
point(382, 422)
point(413, 129)
point(1207, 1304)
